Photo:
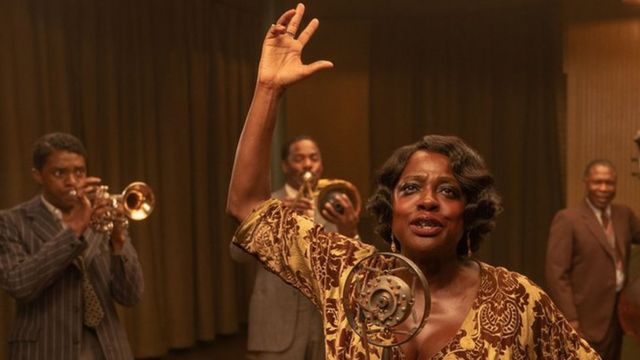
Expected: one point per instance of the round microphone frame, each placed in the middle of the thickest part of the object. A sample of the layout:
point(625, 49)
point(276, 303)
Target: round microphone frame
point(386, 299)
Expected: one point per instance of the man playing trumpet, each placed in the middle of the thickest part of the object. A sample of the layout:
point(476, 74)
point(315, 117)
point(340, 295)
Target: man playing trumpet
point(302, 168)
point(64, 275)
point(283, 324)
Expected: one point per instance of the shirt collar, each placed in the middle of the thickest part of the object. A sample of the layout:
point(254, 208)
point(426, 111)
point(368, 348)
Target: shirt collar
point(290, 191)
point(597, 211)
point(54, 210)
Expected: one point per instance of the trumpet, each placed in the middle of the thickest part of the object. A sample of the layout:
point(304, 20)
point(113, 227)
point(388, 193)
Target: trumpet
point(327, 191)
point(306, 189)
point(136, 202)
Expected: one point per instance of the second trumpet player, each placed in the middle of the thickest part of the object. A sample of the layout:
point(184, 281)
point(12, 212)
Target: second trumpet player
point(273, 304)
point(302, 167)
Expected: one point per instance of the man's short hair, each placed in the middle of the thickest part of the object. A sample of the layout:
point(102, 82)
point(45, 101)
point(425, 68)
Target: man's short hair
point(595, 162)
point(284, 151)
point(47, 144)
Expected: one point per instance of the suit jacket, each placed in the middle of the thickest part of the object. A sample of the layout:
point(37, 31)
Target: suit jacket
point(580, 267)
point(274, 305)
point(36, 269)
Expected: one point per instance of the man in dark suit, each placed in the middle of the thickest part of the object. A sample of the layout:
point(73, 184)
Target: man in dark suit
point(587, 259)
point(64, 275)
point(283, 324)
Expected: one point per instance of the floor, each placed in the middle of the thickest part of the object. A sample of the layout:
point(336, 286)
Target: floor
point(227, 347)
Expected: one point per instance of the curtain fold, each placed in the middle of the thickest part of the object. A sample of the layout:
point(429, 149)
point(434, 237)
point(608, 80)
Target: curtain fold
point(492, 80)
point(158, 91)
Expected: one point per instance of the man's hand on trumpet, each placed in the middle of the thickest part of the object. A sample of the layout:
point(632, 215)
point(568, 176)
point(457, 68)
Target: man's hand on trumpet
point(79, 215)
point(301, 205)
point(119, 231)
point(343, 215)
point(106, 214)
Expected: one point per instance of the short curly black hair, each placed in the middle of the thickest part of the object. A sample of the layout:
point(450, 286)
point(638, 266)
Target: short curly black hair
point(286, 147)
point(597, 162)
point(47, 144)
point(468, 167)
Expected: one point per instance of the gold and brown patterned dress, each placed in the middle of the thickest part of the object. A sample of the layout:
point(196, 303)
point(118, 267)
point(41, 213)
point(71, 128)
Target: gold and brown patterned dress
point(511, 318)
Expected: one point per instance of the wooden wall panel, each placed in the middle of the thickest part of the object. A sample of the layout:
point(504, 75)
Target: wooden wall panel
point(333, 106)
point(602, 63)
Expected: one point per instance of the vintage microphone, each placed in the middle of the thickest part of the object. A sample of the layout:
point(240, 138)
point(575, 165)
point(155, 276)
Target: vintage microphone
point(386, 300)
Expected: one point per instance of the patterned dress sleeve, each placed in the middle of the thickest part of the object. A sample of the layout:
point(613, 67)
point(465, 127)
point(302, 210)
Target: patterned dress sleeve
point(552, 335)
point(299, 251)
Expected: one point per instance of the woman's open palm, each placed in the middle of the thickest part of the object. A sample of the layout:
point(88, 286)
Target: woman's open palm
point(281, 63)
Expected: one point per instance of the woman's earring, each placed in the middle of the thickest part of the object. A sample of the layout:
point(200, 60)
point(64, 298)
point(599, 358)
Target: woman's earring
point(393, 244)
point(469, 253)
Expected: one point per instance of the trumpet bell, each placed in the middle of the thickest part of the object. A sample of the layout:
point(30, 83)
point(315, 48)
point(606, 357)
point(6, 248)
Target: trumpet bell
point(329, 189)
point(138, 200)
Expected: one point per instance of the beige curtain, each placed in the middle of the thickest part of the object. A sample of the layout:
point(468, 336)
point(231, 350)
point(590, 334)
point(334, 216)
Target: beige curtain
point(157, 90)
point(491, 78)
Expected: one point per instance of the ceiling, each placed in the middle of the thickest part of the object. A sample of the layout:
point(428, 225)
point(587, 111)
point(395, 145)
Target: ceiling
point(409, 8)
point(570, 9)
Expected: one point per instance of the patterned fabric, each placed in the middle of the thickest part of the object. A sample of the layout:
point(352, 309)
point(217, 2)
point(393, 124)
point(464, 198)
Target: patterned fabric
point(92, 309)
point(93, 312)
point(36, 269)
point(282, 322)
point(511, 317)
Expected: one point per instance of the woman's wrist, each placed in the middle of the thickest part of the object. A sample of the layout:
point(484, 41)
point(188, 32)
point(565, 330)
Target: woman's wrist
point(269, 88)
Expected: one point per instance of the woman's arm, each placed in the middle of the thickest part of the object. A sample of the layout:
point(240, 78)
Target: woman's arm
point(280, 66)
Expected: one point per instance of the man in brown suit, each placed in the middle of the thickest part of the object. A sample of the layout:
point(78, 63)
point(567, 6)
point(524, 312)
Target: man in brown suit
point(64, 276)
point(283, 324)
point(587, 258)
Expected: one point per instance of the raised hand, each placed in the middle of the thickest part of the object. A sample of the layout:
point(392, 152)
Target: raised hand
point(280, 66)
point(280, 63)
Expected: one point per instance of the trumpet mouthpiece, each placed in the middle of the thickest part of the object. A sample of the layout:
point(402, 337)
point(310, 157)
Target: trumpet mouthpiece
point(307, 176)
